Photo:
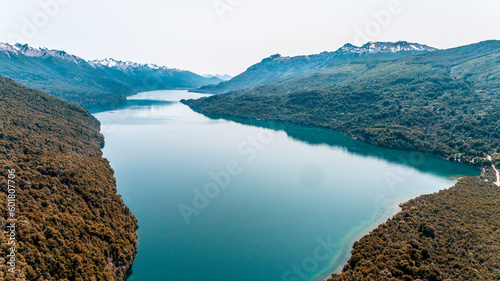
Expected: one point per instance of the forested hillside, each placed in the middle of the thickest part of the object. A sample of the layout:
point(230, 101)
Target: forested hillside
point(445, 102)
point(71, 224)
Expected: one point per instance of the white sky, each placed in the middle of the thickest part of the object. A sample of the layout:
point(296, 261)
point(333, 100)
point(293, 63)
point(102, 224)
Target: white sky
point(190, 34)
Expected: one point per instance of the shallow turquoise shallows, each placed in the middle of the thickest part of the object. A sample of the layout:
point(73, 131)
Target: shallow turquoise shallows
point(221, 200)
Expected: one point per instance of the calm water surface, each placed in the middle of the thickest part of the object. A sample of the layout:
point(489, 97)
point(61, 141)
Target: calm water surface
point(243, 200)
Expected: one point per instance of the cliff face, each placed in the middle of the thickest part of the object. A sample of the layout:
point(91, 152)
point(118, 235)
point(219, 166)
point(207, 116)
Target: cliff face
point(71, 224)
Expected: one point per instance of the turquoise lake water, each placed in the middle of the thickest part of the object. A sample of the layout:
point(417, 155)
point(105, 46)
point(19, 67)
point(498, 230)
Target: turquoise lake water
point(244, 200)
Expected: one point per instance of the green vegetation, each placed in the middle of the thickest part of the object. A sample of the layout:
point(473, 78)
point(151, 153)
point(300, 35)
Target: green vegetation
point(278, 69)
point(450, 235)
point(73, 226)
point(90, 83)
point(71, 223)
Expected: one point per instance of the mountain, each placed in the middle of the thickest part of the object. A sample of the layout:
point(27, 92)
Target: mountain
point(276, 69)
point(71, 224)
point(386, 47)
point(89, 83)
point(444, 102)
point(223, 77)
point(28, 51)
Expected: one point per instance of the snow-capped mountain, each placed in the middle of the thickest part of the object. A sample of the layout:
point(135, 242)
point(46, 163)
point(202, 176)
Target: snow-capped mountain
point(385, 47)
point(277, 68)
point(26, 50)
point(128, 65)
point(90, 82)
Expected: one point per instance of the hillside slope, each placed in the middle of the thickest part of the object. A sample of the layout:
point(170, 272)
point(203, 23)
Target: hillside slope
point(71, 224)
point(445, 102)
point(278, 69)
point(89, 83)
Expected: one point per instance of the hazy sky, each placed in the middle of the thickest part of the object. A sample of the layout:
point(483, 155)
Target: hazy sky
point(227, 36)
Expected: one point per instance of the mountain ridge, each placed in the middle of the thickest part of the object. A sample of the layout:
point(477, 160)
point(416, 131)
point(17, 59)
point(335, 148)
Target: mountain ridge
point(29, 51)
point(386, 47)
point(92, 82)
point(127, 65)
point(276, 68)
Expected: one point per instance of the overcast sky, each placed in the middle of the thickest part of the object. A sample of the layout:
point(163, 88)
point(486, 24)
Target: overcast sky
point(227, 36)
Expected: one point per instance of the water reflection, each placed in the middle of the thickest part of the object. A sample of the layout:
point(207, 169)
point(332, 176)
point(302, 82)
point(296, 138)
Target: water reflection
point(313, 136)
point(316, 136)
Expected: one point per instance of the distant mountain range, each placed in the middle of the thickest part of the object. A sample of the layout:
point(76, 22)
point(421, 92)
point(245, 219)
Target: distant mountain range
point(276, 69)
point(94, 82)
point(90, 83)
point(224, 77)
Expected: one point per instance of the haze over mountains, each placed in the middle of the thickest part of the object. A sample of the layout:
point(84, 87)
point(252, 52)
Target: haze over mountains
point(89, 83)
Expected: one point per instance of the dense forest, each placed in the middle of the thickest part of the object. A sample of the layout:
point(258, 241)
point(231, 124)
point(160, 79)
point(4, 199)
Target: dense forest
point(444, 103)
point(71, 223)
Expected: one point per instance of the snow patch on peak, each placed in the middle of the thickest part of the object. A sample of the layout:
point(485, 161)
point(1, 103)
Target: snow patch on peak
point(385, 47)
point(26, 50)
point(6, 47)
point(105, 62)
point(128, 65)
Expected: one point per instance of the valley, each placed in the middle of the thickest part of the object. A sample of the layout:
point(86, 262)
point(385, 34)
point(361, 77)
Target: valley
point(228, 197)
point(374, 151)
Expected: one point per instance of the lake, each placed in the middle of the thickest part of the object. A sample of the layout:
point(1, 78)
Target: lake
point(252, 200)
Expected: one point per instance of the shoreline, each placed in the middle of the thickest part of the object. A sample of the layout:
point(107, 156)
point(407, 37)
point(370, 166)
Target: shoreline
point(388, 207)
point(347, 134)
point(497, 182)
